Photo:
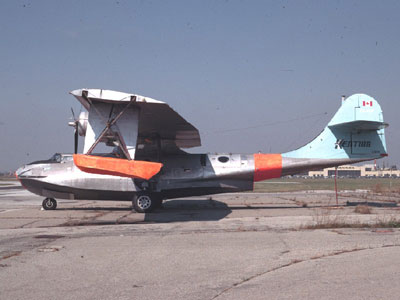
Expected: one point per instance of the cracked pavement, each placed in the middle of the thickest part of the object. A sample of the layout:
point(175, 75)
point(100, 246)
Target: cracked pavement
point(239, 246)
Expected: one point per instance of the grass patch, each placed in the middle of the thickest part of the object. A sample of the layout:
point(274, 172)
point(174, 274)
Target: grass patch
point(326, 220)
point(376, 185)
point(337, 225)
point(388, 224)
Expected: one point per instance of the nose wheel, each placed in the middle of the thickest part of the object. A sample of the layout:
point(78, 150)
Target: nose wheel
point(49, 204)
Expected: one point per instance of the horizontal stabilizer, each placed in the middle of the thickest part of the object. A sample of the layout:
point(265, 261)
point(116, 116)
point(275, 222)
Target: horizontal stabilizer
point(360, 125)
point(116, 166)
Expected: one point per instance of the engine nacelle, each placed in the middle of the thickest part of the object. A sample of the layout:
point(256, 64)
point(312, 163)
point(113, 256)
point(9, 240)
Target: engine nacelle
point(81, 123)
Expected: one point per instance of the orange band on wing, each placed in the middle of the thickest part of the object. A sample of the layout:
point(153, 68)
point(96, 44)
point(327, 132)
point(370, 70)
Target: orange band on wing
point(117, 167)
point(267, 166)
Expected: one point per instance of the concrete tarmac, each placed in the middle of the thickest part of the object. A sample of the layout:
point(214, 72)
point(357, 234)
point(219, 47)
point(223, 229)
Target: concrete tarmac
point(232, 246)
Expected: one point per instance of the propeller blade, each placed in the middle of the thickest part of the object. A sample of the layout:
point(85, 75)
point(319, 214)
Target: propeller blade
point(76, 141)
point(73, 114)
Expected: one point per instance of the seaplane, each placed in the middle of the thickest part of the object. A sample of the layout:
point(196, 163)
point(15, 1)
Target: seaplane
point(146, 163)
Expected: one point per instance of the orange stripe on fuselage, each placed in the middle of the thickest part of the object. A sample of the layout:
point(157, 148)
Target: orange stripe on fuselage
point(267, 166)
point(116, 166)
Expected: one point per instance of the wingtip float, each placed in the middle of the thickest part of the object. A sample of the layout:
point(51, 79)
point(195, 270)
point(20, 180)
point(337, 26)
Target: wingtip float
point(116, 166)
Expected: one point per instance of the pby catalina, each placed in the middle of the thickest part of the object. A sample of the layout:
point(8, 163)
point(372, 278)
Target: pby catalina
point(147, 164)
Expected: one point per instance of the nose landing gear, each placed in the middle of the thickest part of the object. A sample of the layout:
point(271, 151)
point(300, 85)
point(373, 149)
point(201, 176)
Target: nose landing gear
point(49, 204)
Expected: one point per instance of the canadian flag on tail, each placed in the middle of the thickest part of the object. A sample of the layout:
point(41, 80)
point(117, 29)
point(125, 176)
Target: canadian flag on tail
point(367, 103)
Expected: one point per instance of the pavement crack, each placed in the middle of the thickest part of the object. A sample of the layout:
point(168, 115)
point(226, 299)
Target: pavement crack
point(27, 224)
point(11, 254)
point(337, 231)
point(285, 244)
point(121, 218)
point(294, 201)
point(88, 220)
point(29, 243)
point(296, 261)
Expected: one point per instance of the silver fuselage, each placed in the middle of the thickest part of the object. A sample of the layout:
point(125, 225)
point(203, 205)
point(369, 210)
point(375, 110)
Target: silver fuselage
point(181, 175)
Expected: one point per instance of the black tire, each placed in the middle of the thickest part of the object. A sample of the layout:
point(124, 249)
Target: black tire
point(49, 204)
point(145, 202)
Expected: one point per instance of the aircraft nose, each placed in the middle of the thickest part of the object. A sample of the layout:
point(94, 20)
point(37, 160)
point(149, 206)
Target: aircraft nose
point(23, 171)
point(19, 171)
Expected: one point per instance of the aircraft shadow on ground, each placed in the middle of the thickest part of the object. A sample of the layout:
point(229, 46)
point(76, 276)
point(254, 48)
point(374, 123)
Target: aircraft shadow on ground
point(189, 210)
point(185, 210)
point(172, 211)
point(95, 208)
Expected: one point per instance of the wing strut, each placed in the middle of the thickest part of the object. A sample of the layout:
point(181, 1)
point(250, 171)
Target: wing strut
point(108, 126)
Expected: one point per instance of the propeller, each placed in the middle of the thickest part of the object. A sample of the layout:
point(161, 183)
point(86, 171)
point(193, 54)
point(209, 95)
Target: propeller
point(76, 141)
point(75, 124)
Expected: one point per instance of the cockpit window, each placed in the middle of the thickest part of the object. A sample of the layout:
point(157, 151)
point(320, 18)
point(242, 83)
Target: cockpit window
point(56, 158)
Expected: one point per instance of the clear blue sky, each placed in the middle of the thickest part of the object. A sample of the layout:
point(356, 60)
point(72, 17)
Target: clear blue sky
point(221, 64)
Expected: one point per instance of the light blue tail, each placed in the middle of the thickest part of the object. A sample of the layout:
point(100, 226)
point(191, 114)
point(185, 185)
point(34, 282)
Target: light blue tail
point(356, 132)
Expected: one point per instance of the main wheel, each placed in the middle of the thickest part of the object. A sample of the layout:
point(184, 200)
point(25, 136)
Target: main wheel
point(145, 202)
point(49, 204)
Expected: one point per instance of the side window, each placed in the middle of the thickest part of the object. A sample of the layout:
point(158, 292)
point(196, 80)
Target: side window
point(65, 158)
point(223, 159)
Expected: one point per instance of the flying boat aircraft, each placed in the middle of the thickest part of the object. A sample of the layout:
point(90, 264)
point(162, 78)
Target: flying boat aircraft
point(147, 163)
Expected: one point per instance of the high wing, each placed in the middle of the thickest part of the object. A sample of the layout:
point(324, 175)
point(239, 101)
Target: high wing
point(156, 118)
point(142, 128)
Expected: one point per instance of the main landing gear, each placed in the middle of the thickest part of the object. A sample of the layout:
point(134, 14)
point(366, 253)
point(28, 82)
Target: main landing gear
point(144, 202)
point(49, 204)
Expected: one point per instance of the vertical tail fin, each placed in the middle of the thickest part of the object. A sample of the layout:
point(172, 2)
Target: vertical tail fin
point(355, 133)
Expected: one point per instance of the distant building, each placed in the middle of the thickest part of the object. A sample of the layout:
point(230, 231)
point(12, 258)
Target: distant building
point(356, 171)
